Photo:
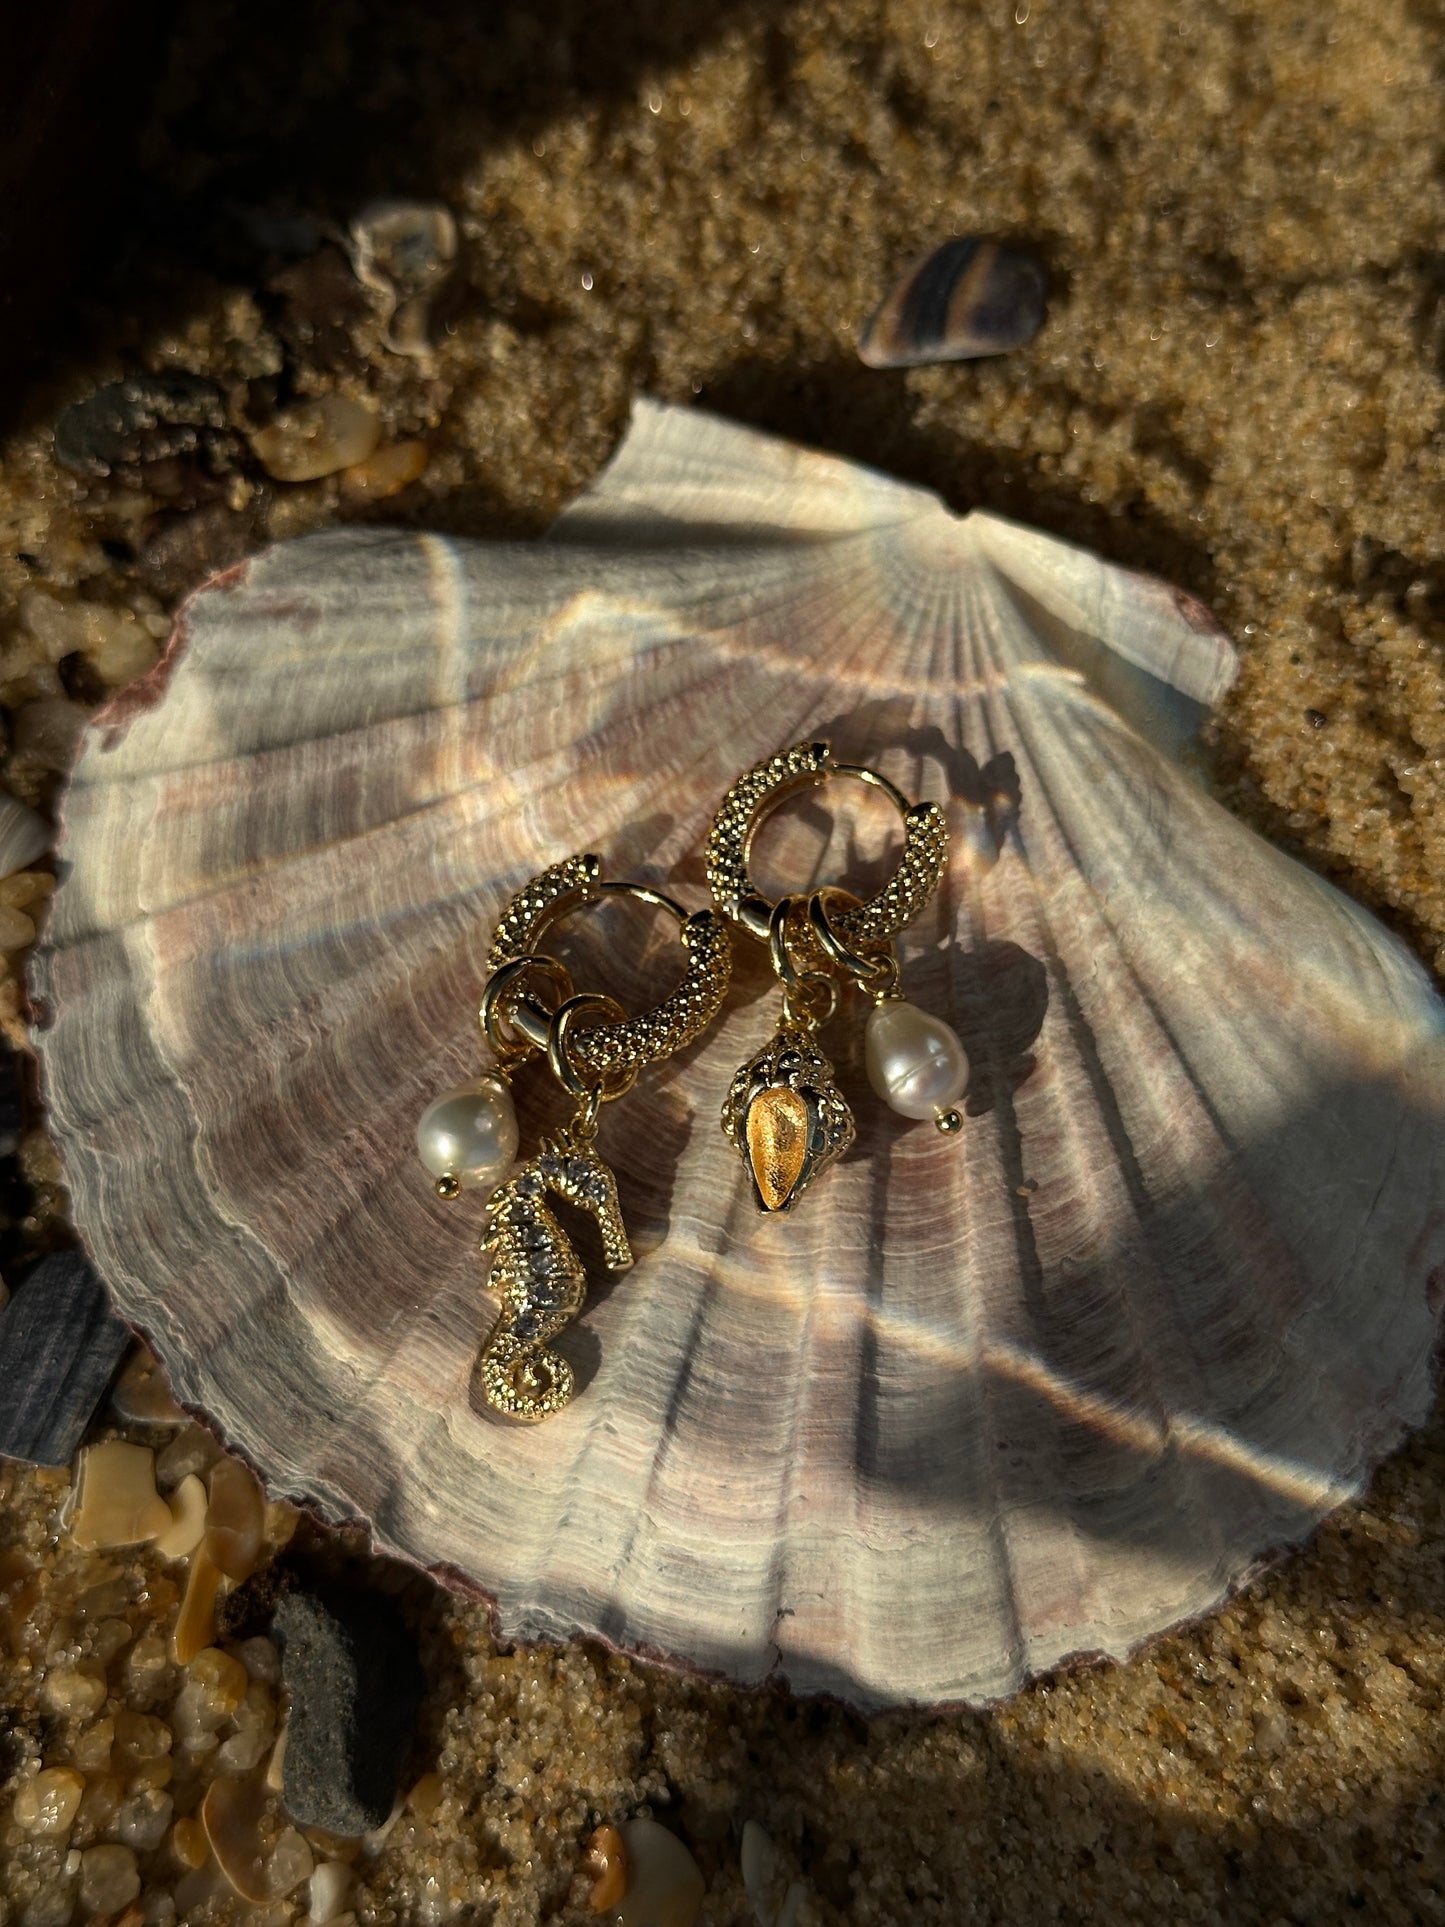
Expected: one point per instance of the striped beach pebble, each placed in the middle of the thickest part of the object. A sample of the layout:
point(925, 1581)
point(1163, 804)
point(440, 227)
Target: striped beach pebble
point(968, 298)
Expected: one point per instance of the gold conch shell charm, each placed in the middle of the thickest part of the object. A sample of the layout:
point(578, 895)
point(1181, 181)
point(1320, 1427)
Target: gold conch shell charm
point(786, 1117)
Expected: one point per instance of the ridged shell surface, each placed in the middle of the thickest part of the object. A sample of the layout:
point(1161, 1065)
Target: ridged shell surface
point(979, 1404)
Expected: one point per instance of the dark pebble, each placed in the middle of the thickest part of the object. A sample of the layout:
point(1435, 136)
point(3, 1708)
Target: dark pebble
point(1316, 718)
point(80, 681)
point(355, 1684)
point(60, 1344)
point(968, 298)
point(145, 418)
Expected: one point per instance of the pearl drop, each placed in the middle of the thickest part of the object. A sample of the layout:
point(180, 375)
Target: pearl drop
point(915, 1062)
point(469, 1133)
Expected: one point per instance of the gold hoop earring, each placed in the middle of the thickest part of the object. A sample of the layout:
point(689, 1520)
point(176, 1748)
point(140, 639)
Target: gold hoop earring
point(469, 1137)
point(784, 1113)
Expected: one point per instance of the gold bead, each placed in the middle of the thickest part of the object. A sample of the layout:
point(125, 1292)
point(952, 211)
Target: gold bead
point(948, 1122)
point(449, 1186)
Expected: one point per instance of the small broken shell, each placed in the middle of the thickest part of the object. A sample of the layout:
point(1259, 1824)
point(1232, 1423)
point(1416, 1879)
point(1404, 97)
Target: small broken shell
point(235, 1520)
point(764, 1880)
point(188, 1519)
point(327, 1895)
point(262, 1861)
point(192, 1450)
point(402, 252)
point(970, 297)
point(118, 1504)
point(141, 1394)
point(776, 1900)
point(606, 1863)
point(275, 1774)
point(196, 1625)
point(664, 1887)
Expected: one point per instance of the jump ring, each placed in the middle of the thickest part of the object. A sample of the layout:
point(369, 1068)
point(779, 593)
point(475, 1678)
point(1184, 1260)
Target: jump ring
point(784, 968)
point(628, 1042)
point(873, 973)
point(559, 1037)
point(529, 1019)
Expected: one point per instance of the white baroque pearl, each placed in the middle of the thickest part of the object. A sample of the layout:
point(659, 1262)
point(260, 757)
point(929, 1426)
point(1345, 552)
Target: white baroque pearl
point(915, 1062)
point(470, 1133)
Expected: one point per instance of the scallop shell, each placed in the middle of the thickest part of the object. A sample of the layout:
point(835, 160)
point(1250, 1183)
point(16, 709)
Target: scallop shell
point(981, 1404)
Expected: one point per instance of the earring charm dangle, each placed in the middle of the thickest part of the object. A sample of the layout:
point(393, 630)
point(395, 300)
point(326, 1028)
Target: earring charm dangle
point(469, 1137)
point(784, 1113)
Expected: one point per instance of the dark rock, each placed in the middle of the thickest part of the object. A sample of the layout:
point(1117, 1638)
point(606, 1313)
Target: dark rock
point(143, 419)
point(60, 1344)
point(355, 1683)
point(79, 678)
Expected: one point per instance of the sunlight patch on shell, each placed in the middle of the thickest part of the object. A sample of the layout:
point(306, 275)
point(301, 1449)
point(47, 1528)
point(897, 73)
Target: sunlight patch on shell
point(1038, 1390)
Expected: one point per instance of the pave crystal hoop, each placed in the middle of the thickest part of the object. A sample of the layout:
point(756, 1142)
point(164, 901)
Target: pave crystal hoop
point(754, 797)
point(529, 1007)
point(784, 1113)
point(626, 1043)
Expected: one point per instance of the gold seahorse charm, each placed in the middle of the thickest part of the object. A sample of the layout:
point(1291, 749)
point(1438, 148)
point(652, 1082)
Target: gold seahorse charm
point(540, 1276)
